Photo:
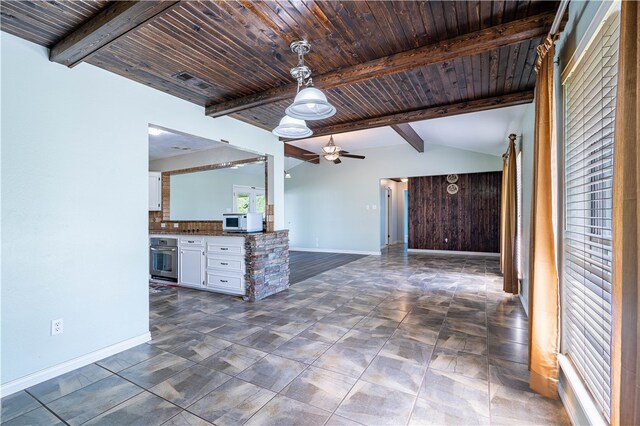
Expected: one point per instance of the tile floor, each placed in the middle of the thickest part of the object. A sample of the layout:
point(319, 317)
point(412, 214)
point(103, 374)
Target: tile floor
point(394, 339)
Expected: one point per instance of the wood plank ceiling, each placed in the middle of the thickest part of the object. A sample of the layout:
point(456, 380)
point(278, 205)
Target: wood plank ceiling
point(378, 62)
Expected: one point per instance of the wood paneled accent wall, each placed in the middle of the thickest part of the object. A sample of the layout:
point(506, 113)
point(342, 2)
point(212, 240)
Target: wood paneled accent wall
point(466, 221)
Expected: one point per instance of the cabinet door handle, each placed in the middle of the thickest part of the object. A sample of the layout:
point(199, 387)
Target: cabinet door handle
point(191, 242)
point(224, 248)
point(224, 281)
point(223, 263)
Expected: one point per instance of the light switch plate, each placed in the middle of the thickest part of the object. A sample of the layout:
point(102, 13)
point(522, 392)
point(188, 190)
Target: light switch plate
point(176, 225)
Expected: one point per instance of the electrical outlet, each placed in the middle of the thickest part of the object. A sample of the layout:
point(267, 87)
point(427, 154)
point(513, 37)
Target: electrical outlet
point(175, 225)
point(57, 326)
point(163, 225)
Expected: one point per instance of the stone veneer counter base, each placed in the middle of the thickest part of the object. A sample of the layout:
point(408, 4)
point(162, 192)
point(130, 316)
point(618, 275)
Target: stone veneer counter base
point(267, 264)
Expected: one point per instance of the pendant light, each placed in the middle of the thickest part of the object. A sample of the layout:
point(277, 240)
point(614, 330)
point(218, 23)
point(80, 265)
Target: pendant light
point(287, 175)
point(309, 104)
point(292, 128)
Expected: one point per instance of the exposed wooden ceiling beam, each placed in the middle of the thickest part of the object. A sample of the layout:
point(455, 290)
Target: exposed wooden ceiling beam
point(468, 44)
point(299, 153)
point(511, 99)
point(113, 22)
point(408, 134)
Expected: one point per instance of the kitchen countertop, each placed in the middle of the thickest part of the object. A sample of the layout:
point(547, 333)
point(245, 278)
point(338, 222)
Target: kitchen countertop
point(214, 233)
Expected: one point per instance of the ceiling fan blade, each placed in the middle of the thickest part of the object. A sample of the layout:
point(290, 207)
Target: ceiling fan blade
point(343, 152)
point(311, 154)
point(359, 157)
point(337, 161)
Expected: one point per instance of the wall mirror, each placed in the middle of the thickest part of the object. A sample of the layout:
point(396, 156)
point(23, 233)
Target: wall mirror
point(207, 178)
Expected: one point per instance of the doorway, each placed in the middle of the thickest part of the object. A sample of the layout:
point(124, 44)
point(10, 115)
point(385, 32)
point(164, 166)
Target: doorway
point(388, 205)
point(393, 211)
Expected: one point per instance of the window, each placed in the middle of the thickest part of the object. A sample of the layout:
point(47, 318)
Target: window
point(589, 108)
point(248, 199)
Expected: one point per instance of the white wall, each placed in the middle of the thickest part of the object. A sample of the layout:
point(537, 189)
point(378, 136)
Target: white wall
point(207, 195)
point(74, 181)
point(326, 204)
point(526, 144)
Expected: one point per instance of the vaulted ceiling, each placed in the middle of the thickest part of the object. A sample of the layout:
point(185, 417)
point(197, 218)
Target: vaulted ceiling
point(378, 62)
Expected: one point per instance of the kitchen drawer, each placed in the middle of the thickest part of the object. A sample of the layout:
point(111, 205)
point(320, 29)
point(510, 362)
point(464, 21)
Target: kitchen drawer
point(226, 241)
point(228, 263)
point(228, 283)
point(191, 241)
point(224, 249)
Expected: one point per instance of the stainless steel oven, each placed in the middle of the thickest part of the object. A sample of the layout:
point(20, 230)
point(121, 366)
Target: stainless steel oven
point(163, 258)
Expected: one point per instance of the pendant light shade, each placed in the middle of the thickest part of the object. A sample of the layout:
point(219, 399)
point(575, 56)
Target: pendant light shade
point(310, 104)
point(292, 128)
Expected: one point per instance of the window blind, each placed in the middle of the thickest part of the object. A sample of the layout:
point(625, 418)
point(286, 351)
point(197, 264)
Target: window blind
point(589, 107)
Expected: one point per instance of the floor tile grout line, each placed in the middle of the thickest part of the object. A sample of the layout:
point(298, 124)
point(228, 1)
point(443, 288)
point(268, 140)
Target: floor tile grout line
point(45, 406)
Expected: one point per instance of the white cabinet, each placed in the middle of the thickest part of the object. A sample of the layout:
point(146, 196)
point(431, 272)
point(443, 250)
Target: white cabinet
point(191, 261)
point(225, 265)
point(155, 191)
point(215, 264)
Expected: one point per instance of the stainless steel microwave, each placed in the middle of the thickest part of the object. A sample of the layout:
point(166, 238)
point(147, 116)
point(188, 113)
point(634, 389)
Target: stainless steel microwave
point(242, 222)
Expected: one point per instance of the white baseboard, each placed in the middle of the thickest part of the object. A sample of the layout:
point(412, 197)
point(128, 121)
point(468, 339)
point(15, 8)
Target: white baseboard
point(319, 250)
point(525, 306)
point(55, 371)
point(464, 253)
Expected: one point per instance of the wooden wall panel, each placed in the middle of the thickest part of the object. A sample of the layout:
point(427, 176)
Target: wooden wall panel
point(468, 220)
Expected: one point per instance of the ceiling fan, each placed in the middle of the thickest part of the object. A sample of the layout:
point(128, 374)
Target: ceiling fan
point(331, 152)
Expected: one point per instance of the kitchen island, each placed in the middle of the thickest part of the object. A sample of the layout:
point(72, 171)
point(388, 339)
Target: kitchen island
point(253, 266)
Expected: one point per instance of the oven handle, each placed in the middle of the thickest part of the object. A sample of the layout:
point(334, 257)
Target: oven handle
point(162, 249)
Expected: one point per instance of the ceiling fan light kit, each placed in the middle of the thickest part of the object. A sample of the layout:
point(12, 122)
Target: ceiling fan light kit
point(292, 128)
point(332, 152)
point(309, 104)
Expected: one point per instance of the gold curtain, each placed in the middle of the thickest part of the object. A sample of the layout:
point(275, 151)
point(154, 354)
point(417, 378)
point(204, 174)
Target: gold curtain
point(626, 231)
point(543, 274)
point(509, 264)
point(503, 209)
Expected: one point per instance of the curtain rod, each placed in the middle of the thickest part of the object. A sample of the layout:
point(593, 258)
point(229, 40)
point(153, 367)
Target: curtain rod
point(559, 15)
point(512, 137)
